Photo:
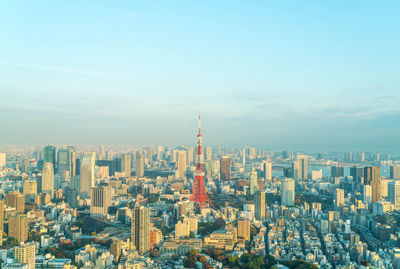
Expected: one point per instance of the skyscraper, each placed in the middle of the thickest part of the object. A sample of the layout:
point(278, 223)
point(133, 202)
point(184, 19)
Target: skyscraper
point(140, 229)
point(86, 181)
point(63, 160)
point(394, 193)
point(26, 253)
point(287, 192)
point(100, 201)
point(126, 160)
point(225, 168)
point(208, 153)
point(181, 165)
point(395, 171)
point(244, 229)
point(30, 190)
point(339, 197)
point(139, 164)
point(50, 155)
point(253, 182)
point(259, 205)
point(300, 167)
point(268, 170)
point(18, 227)
point(15, 200)
point(337, 171)
point(48, 179)
point(372, 176)
point(357, 173)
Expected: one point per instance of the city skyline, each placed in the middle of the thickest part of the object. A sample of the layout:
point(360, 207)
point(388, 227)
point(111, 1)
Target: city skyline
point(295, 76)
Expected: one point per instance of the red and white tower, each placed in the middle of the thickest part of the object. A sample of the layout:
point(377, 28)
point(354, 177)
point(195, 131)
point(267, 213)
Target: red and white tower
point(199, 192)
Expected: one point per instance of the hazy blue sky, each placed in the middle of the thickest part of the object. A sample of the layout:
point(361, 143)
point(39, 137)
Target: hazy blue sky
point(279, 74)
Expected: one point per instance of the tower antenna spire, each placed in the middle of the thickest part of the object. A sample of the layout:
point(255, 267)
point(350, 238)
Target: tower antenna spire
point(199, 124)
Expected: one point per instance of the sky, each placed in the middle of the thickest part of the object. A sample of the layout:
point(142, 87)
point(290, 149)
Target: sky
point(294, 75)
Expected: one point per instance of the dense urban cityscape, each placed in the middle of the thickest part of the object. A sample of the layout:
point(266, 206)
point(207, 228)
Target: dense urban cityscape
point(197, 207)
point(205, 134)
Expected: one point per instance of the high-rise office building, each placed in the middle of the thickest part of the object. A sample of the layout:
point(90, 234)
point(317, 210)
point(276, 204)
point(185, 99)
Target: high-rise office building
point(357, 173)
point(225, 168)
point(18, 227)
point(189, 156)
point(267, 170)
point(339, 197)
point(15, 200)
point(337, 171)
point(367, 193)
point(48, 179)
point(100, 201)
point(208, 154)
point(86, 172)
point(26, 253)
point(63, 161)
point(394, 193)
point(2, 209)
point(395, 171)
point(181, 164)
point(140, 229)
point(259, 205)
point(372, 176)
point(30, 190)
point(50, 155)
point(126, 160)
point(3, 159)
point(287, 192)
point(300, 167)
point(253, 182)
point(243, 230)
point(139, 164)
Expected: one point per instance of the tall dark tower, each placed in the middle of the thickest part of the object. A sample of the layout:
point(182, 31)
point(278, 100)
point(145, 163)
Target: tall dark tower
point(199, 192)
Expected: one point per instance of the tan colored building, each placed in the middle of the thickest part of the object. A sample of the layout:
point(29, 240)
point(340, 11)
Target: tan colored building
point(180, 246)
point(181, 164)
point(140, 229)
point(26, 253)
point(244, 229)
point(18, 227)
point(100, 201)
point(126, 160)
point(182, 229)
point(116, 249)
point(220, 239)
point(15, 200)
point(30, 190)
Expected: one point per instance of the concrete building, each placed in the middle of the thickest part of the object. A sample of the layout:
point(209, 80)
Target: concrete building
point(18, 227)
point(30, 190)
point(126, 160)
point(259, 205)
point(140, 229)
point(394, 193)
point(139, 164)
point(253, 182)
point(48, 179)
point(225, 168)
point(287, 192)
point(26, 253)
point(100, 201)
point(243, 230)
point(86, 178)
point(181, 164)
point(15, 200)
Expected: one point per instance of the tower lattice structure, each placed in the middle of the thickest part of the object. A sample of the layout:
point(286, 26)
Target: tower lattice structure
point(199, 192)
